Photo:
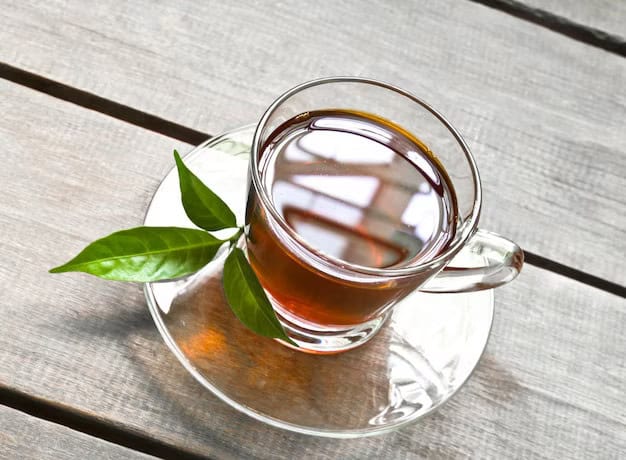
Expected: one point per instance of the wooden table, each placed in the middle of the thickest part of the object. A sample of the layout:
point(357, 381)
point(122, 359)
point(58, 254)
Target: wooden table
point(94, 97)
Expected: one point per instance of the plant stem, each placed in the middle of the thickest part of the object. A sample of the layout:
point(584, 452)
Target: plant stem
point(233, 239)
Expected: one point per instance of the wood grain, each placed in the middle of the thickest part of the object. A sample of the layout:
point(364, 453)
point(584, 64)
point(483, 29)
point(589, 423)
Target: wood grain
point(606, 15)
point(26, 437)
point(542, 113)
point(551, 384)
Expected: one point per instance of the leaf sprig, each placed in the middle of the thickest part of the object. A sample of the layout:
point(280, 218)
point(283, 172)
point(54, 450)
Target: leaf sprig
point(147, 254)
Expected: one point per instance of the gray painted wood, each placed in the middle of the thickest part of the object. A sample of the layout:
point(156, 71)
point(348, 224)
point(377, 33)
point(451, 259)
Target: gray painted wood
point(606, 15)
point(551, 384)
point(25, 437)
point(542, 113)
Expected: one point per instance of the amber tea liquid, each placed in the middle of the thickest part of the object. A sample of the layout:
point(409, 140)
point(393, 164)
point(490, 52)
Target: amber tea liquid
point(357, 190)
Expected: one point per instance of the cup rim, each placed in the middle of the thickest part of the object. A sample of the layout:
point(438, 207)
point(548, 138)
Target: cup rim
point(468, 228)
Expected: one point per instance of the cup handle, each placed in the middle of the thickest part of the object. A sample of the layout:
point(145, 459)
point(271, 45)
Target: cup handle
point(503, 262)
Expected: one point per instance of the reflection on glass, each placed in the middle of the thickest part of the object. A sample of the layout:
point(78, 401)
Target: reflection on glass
point(346, 185)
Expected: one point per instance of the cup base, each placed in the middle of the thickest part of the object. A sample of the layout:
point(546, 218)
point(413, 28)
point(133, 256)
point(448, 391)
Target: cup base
point(326, 341)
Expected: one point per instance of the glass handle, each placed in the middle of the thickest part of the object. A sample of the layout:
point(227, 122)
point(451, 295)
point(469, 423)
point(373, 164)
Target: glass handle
point(502, 261)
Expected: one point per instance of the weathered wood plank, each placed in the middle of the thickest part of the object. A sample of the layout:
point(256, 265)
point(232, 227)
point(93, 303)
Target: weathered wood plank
point(25, 437)
point(551, 384)
point(606, 15)
point(542, 113)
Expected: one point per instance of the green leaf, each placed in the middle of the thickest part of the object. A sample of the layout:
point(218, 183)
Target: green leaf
point(203, 207)
point(145, 254)
point(247, 298)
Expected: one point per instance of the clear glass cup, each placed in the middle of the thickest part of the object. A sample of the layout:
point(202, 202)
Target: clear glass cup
point(364, 294)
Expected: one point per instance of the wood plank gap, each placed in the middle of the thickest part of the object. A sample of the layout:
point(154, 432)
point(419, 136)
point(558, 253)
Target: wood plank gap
point(194, 137)
point(580, 32)
point(575, 274)
point(62, 415)
point(99, 104)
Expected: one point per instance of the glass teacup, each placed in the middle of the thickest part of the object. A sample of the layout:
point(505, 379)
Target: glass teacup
point(359, 194)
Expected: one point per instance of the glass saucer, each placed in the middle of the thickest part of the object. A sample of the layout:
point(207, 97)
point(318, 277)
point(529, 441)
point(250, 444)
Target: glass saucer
point(420, 358)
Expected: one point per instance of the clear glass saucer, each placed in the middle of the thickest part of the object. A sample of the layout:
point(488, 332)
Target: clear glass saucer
point(420, 358)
